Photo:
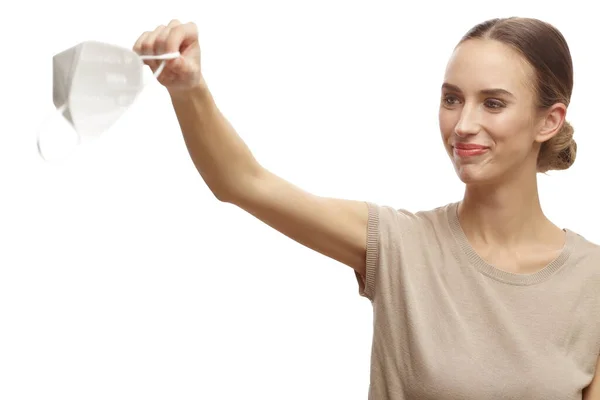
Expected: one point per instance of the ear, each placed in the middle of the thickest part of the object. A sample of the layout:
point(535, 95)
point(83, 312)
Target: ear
point(551, 122)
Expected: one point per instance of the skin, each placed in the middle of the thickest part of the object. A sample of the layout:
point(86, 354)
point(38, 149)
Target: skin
point(487, 99)
point(500, 213)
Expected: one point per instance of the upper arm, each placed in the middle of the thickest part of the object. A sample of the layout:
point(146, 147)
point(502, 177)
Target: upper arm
point(336, 228)
point(592, 392)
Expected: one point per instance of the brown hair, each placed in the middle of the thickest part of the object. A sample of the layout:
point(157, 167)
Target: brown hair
point(546, 50)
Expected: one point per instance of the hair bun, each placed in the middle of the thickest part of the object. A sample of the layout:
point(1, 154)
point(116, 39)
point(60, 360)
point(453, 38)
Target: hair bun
point(559, 152)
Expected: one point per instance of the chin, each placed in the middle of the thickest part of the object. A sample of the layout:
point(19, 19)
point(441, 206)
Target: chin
point(473, 174)
point(475, 170)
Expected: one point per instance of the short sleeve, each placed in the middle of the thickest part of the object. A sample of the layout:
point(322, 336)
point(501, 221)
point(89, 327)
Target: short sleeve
point(387, 232)
point(366, 283)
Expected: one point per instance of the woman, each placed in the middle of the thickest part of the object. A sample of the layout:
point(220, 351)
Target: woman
point(480, 299)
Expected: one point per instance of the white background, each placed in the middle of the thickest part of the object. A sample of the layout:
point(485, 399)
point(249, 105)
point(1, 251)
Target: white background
point(122, 277)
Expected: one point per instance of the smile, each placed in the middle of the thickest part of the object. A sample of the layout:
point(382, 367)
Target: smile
point(469, 151)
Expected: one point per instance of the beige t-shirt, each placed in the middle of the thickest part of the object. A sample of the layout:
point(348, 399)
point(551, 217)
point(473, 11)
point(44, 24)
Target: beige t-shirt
point(447, 325)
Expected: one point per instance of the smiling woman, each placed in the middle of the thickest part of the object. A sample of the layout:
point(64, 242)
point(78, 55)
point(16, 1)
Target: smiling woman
point(483, 298)
point(518, 84)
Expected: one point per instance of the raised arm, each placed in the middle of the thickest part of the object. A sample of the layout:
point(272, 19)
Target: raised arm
point(336, 228)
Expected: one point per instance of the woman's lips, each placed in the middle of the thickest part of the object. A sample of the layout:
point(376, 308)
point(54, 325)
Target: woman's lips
point(469, 150)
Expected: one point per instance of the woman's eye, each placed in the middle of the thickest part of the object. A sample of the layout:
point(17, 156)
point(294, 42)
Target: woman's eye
point(450, 100)
point(494, 104)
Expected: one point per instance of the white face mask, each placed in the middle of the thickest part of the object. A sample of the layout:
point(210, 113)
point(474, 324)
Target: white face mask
point(95, 83)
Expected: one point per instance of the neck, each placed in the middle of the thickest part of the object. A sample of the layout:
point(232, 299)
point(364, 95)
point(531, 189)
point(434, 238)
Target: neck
point(505, 214)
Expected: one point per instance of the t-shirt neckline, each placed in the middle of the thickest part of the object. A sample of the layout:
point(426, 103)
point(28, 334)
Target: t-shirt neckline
point(501, 275)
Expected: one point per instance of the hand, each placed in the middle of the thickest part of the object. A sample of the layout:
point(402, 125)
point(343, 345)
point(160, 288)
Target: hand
point(179, 74)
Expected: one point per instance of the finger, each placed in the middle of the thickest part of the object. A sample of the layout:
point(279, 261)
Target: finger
point(161, 40)
point(140, 44)
point(160, 46)
point(137, 47)
point(181, 36)
point(149, 44)
point(173, 23)
point(173, 64)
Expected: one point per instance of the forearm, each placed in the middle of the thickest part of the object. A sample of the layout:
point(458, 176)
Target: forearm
point(220, 155)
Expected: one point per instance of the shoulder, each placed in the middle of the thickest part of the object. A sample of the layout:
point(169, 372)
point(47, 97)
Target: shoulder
point(581, 248)
point(583, 259)
point(385, 214)
point(415, 228)
point(396, 237)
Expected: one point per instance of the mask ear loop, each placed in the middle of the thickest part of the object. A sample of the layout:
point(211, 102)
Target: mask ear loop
point(165, 57)
point(63, 108)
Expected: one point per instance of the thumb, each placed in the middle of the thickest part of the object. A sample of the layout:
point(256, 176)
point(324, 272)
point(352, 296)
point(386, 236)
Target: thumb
point(176, 65)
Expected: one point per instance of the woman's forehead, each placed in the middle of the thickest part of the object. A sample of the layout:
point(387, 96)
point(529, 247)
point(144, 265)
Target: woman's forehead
point(478, 65)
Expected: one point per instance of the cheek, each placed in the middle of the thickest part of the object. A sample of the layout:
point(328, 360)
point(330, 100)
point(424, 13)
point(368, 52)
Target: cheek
point(447, 122)
point(508, 131)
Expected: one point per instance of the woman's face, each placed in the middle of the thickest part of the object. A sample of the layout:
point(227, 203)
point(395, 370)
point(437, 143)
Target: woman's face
point(487, 112)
